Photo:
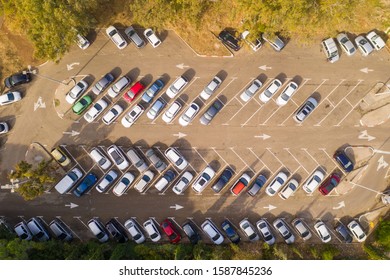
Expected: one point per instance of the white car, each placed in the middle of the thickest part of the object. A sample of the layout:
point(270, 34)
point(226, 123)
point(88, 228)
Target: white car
point(302, 229)
point(123, 184)
point(177, 86)
point(134, 230)
point(22, 230)
point(363, 45)
point(98, 230)
point(313, 182)
point(276, 184)
point(286, 94)
point(10, 97)
point(152, 38)
point(376, 40)
point(95, 111)
point(265, 231)
point(118, 87)
point(271, 89)
point(76, 92)
point(283, 229)
point(357, 231)
point(117, 157)
point(289, 189)
point(322, 232)
point(112, 114)
point(152, 230)
point(346, 44)
point(171, 112)
point(330, 49)
point(106, 182)
point(251, 90)
point(183, 183)
point(189, 114)
point(100, 159)
point(212, 232)
point(37, 229)
point(82, 42)
point(210, 88)
point(130, 118)
point(158, 164)
point(249, 230)
point(116, 37)
point(176, 158)
point(203, 179)
point(3, 127)
point(145, 180)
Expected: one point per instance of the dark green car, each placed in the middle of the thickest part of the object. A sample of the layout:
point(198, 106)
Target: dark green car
point(83, 104)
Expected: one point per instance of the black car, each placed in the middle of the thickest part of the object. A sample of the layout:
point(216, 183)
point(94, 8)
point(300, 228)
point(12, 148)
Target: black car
point(116, 230)
point(229, 40)
point(344, 233)
point(230, 232)
point(191, 232)
point(17, 79)
point(257, 185)
point(226, 175)
point(344, 161)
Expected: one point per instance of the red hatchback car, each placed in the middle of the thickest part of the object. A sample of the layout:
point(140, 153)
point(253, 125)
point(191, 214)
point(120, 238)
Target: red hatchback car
point(137, 88)
point(329, 184)
point(171, 231)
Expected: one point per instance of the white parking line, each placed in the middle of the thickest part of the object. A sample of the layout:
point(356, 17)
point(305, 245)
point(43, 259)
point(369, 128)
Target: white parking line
point(288, 150)
point(273, 113)
point(247, 166)
point(366, 188)
point(332, 159)
point(258, 109)
point(226, 163)
point(196, 150)
point(251, 150)
point(319, 165)
point(281, 163)
point(74, 160)
point(353, 108)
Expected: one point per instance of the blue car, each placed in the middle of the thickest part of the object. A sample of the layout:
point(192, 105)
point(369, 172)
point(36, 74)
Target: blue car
point(230, 232)
point(344, 161)
point(151, 92)
point(226, 175)
point(156, 108)
point(85, 185)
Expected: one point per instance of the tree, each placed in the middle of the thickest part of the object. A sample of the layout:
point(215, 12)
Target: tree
point(32, 180)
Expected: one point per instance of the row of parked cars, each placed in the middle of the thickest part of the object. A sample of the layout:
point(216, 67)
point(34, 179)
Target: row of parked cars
point(365, 44)
point(131, 229)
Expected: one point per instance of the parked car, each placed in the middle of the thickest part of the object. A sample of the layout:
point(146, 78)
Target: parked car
point(134, 37)
point(103, 83)
point(211, 87)
point(171, 112)
point(313, 182)
point(38, 230)
point(189, 114)
point(152, 38)
point(222, 180)
point(76, 92)
point(22, 231)
point(144, 181)
point(60, 156)
point(82, 105)
point(357, 231)
point(343, 160)
point(3, 127)
point(118, 87)
point(86, 184)
point(82, 42)
point(95, 111)
point(112, 114)
point(249, 230)
point(17, 79)
point(203, 179)
point(305, 110)
point(229, 40)
point(135, 231)
point(376, 40)
point(116, 230)
point(133, 115)
point(342, 230)
point(136, 89)
point(152, 91)
point(286, 94)
point(329, 184)
point(10, 97)
point(177, 86)
point(60, 230)
point(165, 180)
point(251, 90)
point(171, 231)
point(231, 233)
point(322, 232)
point(156, 108)
point(346, 45)
point(271, 89)
point(256, 186)
point(274, 40)
point(281, 226)
point(302, 229)
point(254, 44)
point(117, 157)
point(212, 232)
point(123, 184)
point(152, 230)
point(98, 230)
point(276, 184)
point(330, 49)
point(265, 231)
point(137, 160)
point(158, 164)
point(183, 183)
point(174, 156)
point(191, 232)
point(289, 189)
point(240, 184)
point(363, 45)
point(107, 181)
point(116, 37)
point(211, 112)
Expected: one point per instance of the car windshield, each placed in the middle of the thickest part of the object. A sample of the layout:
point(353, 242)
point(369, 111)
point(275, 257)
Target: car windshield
point(100, 235)
point(179, 161)
point(125, 181)
point(280, 180)
point(206, 176)
point(292, 186)
point(117, 158)
point(98, 107)
point(39, 235)
point(75, 92)
point(11, 96)
point(344, 40)
point(216, 237)
point(102, 161)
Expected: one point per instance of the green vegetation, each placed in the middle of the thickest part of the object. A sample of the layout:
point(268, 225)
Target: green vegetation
point(380, 248)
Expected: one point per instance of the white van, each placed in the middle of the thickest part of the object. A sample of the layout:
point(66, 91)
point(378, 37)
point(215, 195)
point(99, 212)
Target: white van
point(68, 181)
point(330, 48)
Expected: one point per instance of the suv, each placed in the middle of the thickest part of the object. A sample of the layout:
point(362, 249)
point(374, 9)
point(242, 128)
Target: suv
point(23, 231)
point(330, 48)
point(152, 91)
point(118, 87)
point(36, 227)
point(116, 37)
point(116, 230)
point(191, 232)
point(134, 37)
point(357, 231)
point(176, 87)
point(255, 45)
point(211, 88)
point(376, 40)
point(329, 184)
point(230, 232)
point(343, 160)
point(226, 175)
point(229, 40)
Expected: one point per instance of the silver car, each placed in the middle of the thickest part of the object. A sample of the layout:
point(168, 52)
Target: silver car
point(103, 83)
point(155, 160)
point(346, 44)
point(305, 110)
point(36, 227)
point(135, 231)
point(251, 90)
point(211, 88)
point(156, 108)
point(211, 112)
point(276, 43)
point(281, 226)
point(302, 229)
point(134, 37)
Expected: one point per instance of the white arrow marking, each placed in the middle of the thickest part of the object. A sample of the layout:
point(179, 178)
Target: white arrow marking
point(180, 135)
point(71, 205)
point(364, 135)
point(182, 66)
point(264, 136)
point(270, 207)
point(73, 133)
point(70, 66)
point(265, 67)
point(176, 207)
point(382, 163)
point(39, 104)
point(340, 205)
point(366, 70)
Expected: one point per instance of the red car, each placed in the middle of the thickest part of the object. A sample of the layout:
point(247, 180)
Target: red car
point(329, 184)
point(133, 91)
point(171, 231)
